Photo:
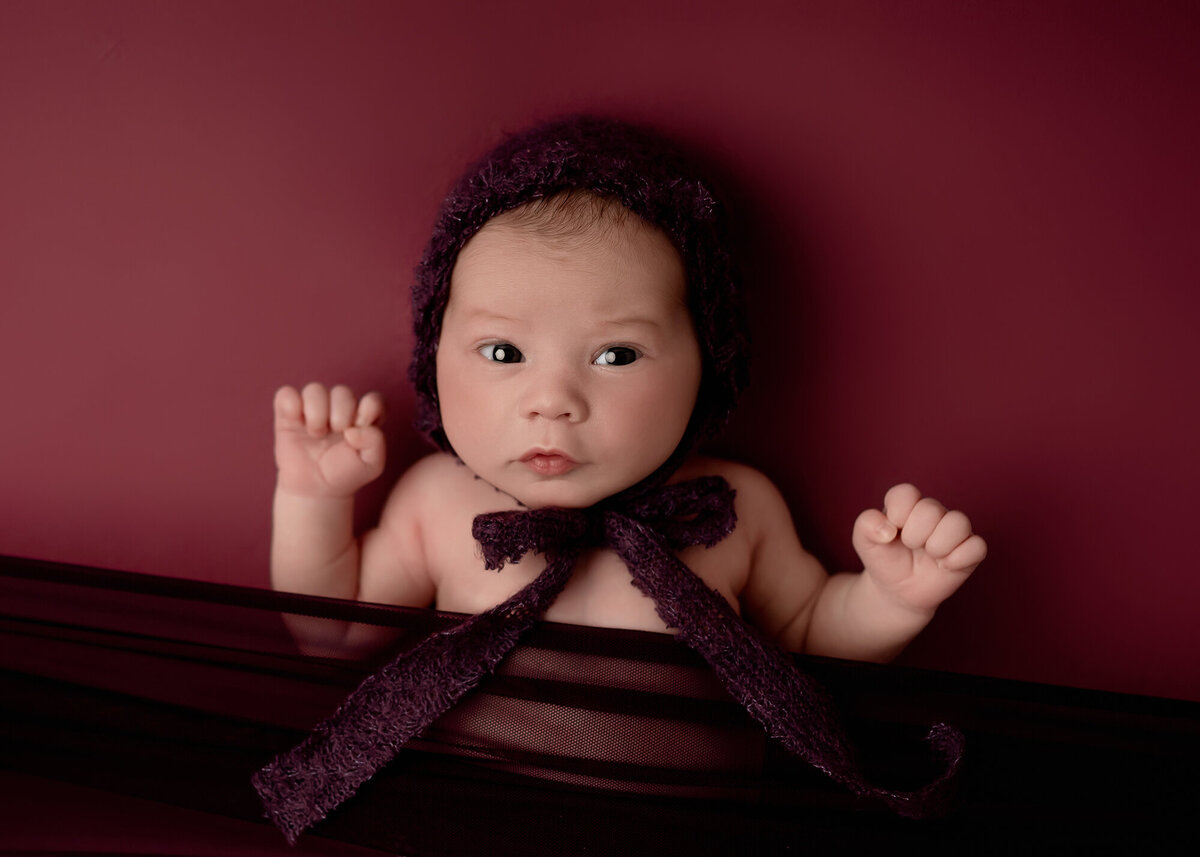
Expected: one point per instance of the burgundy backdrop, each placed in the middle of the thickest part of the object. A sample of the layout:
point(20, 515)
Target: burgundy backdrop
point(972, 239)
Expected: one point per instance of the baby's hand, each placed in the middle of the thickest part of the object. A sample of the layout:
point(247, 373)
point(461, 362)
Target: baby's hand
point(327, 443)
point(916, 551)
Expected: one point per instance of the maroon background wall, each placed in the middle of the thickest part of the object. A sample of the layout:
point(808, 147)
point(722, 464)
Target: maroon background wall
point(973, 252)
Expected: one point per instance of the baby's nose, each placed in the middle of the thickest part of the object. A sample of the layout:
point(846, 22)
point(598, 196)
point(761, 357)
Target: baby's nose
point(555, 393)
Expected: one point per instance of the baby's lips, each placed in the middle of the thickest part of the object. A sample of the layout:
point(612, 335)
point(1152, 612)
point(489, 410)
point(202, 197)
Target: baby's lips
point(548, 462)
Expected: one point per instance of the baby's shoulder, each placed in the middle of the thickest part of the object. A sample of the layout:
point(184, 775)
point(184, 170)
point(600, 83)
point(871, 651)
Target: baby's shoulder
point(435, 470)
point(430, 486)
point(445, 474)
point(439, 484)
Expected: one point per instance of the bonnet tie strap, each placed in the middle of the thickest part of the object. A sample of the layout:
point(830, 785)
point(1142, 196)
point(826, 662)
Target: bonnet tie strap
point(302, 785)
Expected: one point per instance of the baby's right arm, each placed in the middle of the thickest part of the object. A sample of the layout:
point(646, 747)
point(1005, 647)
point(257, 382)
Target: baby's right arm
point(328, 444)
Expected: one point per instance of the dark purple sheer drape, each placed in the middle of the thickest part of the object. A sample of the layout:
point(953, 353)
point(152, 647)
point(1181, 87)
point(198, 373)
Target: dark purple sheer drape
point(586, 740)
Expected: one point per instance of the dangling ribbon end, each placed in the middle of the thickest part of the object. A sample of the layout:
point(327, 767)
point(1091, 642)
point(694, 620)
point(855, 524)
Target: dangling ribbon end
point(290, 820)
point(295, 799)
point(936, 799)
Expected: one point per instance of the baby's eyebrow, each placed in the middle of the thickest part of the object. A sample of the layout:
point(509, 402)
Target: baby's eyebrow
point(634, 321)
point(483, 313)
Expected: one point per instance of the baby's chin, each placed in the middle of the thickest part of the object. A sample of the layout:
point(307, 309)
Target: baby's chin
point(557, 496)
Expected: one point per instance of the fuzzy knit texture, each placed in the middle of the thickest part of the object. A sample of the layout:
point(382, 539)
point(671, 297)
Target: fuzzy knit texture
point(645, 525)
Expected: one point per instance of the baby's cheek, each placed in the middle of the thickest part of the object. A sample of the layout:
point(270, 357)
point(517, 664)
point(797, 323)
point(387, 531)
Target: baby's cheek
point(659, 416)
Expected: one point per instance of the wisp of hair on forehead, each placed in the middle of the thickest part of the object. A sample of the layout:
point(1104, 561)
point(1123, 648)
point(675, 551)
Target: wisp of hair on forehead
point(570, 215)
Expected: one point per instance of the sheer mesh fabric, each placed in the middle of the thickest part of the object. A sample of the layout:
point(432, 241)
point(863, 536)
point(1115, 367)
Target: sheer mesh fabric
point(587, 741)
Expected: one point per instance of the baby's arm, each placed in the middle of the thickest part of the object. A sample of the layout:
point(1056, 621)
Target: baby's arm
point(915, 555)
point(328, 445)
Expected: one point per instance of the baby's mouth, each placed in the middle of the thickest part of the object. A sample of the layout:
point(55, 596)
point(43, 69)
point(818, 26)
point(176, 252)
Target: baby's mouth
point(548, 462)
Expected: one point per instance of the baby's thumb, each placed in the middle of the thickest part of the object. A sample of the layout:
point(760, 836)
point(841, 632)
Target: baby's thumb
point(368, 442)
point(872, 529)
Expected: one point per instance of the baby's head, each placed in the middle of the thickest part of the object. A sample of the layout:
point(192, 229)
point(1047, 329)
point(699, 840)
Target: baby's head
point(581, 235)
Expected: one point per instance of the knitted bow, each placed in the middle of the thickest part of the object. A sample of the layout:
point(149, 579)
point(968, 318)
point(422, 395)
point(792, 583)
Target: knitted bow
point(395, 704)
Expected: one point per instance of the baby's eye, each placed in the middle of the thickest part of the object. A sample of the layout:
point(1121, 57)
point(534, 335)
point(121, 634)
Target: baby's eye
point(617, 355)
point(502, 352)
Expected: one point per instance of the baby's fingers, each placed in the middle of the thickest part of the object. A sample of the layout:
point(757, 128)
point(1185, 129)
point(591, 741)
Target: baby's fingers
point(341, 408)
point(967, 555)
point(922, 521)
point(952, 530)
point(315, 399)
point(370, 410)
point(899, 502)
point(288, 409)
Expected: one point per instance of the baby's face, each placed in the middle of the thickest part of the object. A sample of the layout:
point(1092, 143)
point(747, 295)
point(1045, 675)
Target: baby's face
point(567, 368)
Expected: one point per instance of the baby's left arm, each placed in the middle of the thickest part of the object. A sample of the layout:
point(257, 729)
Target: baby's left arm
point(915, 554)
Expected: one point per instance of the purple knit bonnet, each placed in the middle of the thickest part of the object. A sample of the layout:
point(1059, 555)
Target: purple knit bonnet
point(646, 174)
